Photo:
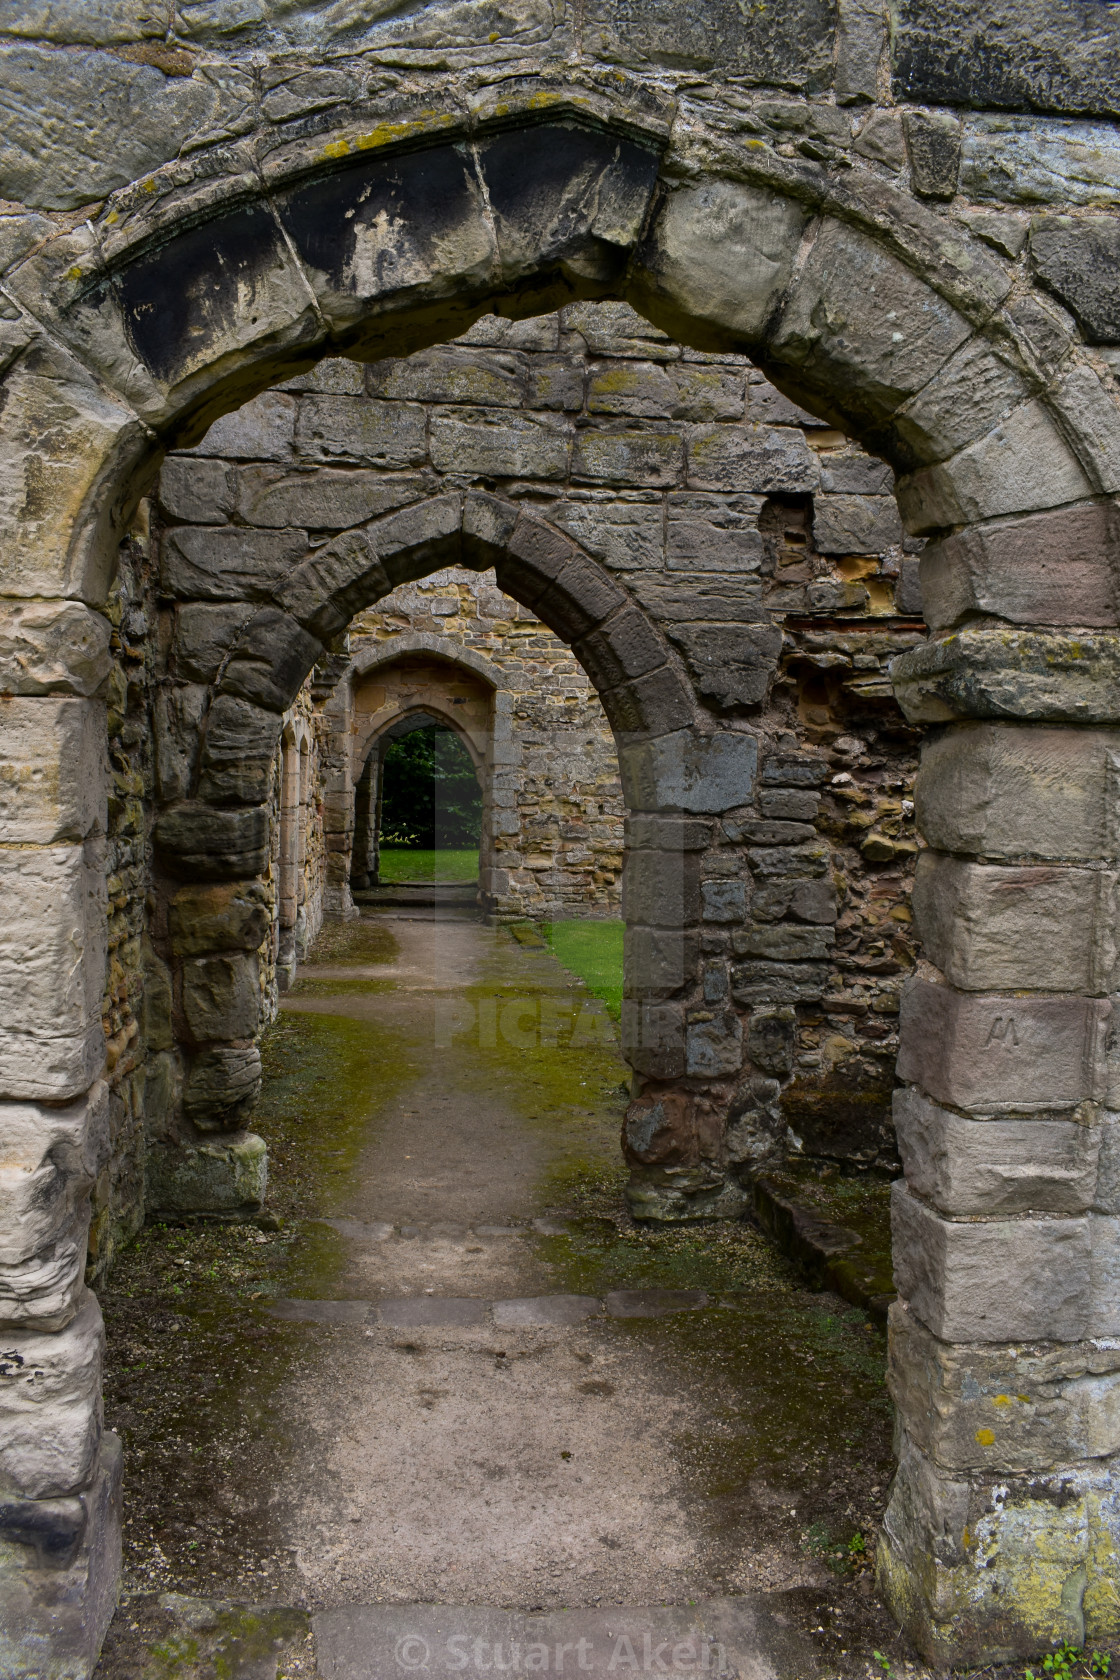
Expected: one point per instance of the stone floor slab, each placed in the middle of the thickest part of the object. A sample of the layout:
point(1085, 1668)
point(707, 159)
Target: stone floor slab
point(414, 1312)
point(653, 1303)
point(531, 1310)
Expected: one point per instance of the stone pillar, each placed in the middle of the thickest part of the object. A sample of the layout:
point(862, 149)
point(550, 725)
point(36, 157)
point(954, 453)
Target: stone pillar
point(1003, 1531)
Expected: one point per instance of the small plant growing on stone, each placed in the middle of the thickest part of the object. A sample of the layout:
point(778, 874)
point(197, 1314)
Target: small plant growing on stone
point(1068, 1661)
point(884, 1663)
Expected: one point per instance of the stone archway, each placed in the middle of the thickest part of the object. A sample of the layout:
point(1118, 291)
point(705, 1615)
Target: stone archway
point(194, 289)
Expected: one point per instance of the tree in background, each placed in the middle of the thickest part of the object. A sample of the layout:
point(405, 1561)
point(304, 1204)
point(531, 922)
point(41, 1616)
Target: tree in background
point(430, 797)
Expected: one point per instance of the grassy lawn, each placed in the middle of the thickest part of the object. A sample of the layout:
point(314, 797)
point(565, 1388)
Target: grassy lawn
point(410, 863)
point(593, 950)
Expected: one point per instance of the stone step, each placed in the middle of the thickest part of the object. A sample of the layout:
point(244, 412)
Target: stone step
point(435, 895)
point(773, 1636)
point(415, 1312)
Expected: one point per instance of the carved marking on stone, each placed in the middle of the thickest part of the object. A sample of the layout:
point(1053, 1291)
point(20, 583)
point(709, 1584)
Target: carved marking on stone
point(1002, 1032)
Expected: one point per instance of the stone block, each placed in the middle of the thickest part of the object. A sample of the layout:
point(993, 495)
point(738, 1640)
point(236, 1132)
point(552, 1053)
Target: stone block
point(813, 858)
point(964, 1166)
point(764, 459)
point(204, 633)
point(61, 1579)
point(709, 393)
point(177, 713)
point(228, 562)
point(581, 598)
point(556, 382)
point(1044, 676)
point(795, 770)
point(763, 982)
point(832, 342)
point(45, 1291)
point(333, 583)
point(222, 1086)
point(451, 373)
point(372, 434)
point(688, 771)
point(661, 889)
point(1019, 159)
point(53, 647)
point(1004, 1409)
point(51, 1043)
point(1021, 465)
point(992, 927)
point(642, 390)
point(50, 1406)
point(723, 901)
point(993, 1054)
point(783, 942)
point(788, 804)
point(657, 960)
point(238, 752)
point(933, 140)
point(53, 769)
point(49, 1160)
point(198, 491)
point(851, 472)
point(772, 1040)
point(998, 1280)
point(653, 1038)
point(203, 920)
point(805, 901)
point(1104, 1272)
point(880, 139)
point(626, 646)
point(323, 500)
point(1107, 1196)
point(710, 533)
point(512, 446)
point(1077, 259)
point(667, 834)
point(714, 1048)
point(199, 842)
point(628, 458)
point(262, 429)
point(792, 48)
point(701, 597)
point(844, 524)
point(222, 997)
point(731, 668)
point(1018, 790)
point(625, 535)
point(1050, 568)
point(226, 1178)
point(270, 658)
point(720, 254)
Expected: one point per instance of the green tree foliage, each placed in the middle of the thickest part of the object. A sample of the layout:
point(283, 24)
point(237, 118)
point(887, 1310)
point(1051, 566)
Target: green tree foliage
point(430, 794)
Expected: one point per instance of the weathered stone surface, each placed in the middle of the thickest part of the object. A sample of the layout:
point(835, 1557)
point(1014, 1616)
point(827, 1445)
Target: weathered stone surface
point(880, 139)
point(53, 647)
point(987, 1054)
point(200, 492)
point(781, 942)
point(1078, 259)
point(996, 927)
point(630, 457)
point(330, 499)
point(714, 1048)
point(992, 1166)
point(934, 144)
point(204, 634)
point(973, 393)
point(198, 842)
point(205, 920)
point(49, 1160)
point(690, 773)
point(720, 254)
point(270, 658)
point(373, 434)
point(222, 997)
point(653, 1037)
point(1104, 1305)
point(1019, 790)
point(50, 1424)
point(229, 562)
point(723, 901)
point(177, 723)
point(1021, 465)
point(777, 982)
point(1020, 160)
point(227, 1177)
point(657, 960)
point(451, 374)
point(45, 1291)
point(520, 447)
point(52, 770)
point(793, 48)
point(133, 119)
point(731, 668)
point(625, 535)
point(263, 429)
point(713, 533)
point(984, 672)
point(844, 524)
point(238, 752)
point(995, 1280)
point(763, 459)
point(1050, 568)
point(805, 901)
point(661, 889)
point(222, 1086)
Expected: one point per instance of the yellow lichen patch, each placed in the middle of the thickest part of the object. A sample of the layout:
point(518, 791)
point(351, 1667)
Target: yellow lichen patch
point(985, 1437)
point(336, 149)
point(150, 184)
point(1002, 1400)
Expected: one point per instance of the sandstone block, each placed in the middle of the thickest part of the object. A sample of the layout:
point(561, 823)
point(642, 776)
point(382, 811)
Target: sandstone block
point(325, 590)
point(52, 769)
point(690, 772)
point(263, 429)
point(198, 842)
point(61, 1588)
point(222, 1086)
point(721, 253)
point(177, 715)
point(1016, 790)
point(1076, 258)
point(1044, 676)
point(723, 901)
point(226, 1177)
point(1025, 160)
point(641, 389)
point(556, 382)
point(844, 524)
point(204, 634)
point(713, 533)
point(198, 491)
point(997, 927)
point(714, 1048)
point(270, 658)
point(374, 434)
point(1107, 1196)
point(995, 1166)
point(765, 982)
point(731, 668)
point(656, 704)
point(999, 1280)
point(813, 858)
point(624, 535)
point(1104, 1271)
point(934, 143)
point(53, 647)
point(657, 960)
point(1021, 465)
point(793, 770)
point(987, 1054)
point(51, 1044)
point(50, 1406)
point(516, 446)
point(851, 472)
point(763, 459)
point(772, 1039)
point(222, 997)
point(782, 942)
point(328, 499)
point(238, 752)
point(49, 1160)
point(626, 646)
point(653, 1038)
point(661, 889)
point(450, 373)
point(581, 598)
point(203, 920)
point(788, 50)
point(709, 393)
point(631, 457)
point(45, 1291)
point(229, 562)
point(805, 901)
point(1050, 568)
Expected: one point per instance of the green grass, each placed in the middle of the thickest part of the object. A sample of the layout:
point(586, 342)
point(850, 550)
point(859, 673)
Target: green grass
point(408, 863)
point(593, 951)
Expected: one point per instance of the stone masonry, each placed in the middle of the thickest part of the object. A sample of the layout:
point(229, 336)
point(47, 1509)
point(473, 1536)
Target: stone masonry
point(910, 231)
